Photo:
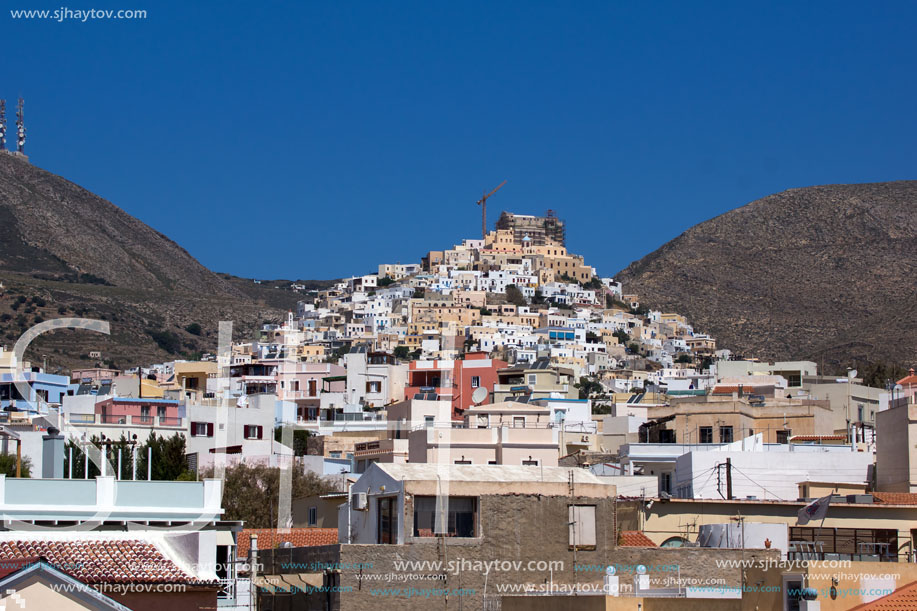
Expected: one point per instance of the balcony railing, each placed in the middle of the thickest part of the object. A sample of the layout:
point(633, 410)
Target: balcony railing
point(125, 420)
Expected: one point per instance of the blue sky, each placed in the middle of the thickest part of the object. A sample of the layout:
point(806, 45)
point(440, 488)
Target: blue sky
point(318, 139)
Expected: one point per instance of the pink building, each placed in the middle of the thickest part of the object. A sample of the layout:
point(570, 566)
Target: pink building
point(118, 410)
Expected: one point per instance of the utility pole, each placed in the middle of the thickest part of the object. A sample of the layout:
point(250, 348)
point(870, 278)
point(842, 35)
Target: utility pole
point(729, 479)
point(483, 204)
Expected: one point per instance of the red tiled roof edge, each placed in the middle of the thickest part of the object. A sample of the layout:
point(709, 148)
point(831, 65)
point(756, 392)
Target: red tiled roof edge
point(101, 560)
point(896, 498)
point(269, 538)
point(634, 538)
point(904, 597)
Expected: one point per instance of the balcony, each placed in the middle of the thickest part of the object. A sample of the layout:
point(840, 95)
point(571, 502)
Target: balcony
point(124, 420)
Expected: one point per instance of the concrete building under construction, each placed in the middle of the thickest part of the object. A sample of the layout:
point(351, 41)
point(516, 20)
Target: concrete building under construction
point(537, 228)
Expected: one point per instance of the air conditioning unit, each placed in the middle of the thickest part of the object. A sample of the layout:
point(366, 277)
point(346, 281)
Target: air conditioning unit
point(359, 501)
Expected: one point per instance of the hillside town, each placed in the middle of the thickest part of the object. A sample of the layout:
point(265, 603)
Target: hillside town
point(497, 426)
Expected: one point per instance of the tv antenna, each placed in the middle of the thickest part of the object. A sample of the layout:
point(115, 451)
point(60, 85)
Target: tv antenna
point(20, 127)
point(483, 204)
point(2, 125)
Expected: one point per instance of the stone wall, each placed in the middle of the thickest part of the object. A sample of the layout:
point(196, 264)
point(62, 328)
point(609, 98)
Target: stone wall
point(516, 530)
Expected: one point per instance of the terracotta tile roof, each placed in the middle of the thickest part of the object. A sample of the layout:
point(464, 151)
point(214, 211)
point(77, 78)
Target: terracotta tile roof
point(269, 538)
point(895, 498)
point(634, 538)
point(100, 560)
point(904, 597)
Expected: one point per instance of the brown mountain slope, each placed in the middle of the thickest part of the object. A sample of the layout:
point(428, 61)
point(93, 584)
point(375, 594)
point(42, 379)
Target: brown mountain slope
point(67, 252)
point(824, 273)
point(54, 226)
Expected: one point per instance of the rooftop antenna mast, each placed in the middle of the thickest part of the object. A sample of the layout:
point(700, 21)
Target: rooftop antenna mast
point(20, 127)
point(483, 204)
point(2, 125)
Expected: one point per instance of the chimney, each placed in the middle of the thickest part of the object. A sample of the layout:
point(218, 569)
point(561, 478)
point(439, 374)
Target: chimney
point(253, 555)
point(52, 454)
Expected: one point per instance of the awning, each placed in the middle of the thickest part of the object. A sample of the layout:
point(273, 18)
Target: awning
point(224, 537)
point(293, 583)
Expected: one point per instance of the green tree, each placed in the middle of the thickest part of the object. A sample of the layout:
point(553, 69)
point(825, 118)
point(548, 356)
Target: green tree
point(623, 337)
point(402, 352)
point(515, 296)
point(588, 387)
point(194, 329)
point(593, 338)
point(251, 492)
point(169, 460)
point(8, 465)
point(111, 449)
point(384, 281)
point(684, 357)
point(166, 340)
point(300, 440)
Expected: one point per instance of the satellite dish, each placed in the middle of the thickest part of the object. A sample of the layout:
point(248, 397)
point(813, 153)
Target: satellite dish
point(479, 395)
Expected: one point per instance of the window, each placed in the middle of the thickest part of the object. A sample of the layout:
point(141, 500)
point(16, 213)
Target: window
point(533, 379)
point(530, 463)
point(252, 431)
point(483, 421)
point(475, 381)
point(454, 516)
point(463, 462)
point(706, 434)
point(665, 482)
point(202, 429)
point(666, 436)
point(375, 387)
point(161, 411)
point(855, 544)
point(519, 422)
point(313, 516)
point(725, 434)
point(582, 526)
point(783, 436)
point(428, 421)
point(335, 453)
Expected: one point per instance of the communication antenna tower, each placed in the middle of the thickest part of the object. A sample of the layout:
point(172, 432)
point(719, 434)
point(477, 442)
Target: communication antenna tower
point(2, 125)
point(20, 127)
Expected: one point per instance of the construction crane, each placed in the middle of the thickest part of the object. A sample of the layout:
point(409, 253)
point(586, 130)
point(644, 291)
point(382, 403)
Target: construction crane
point(483, 204)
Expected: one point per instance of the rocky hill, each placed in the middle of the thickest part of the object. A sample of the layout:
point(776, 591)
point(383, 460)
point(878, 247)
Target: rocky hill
point(67, 252)
point(823, 273)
